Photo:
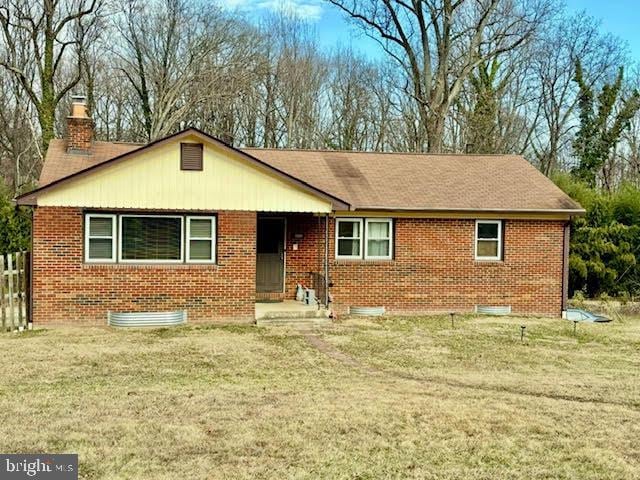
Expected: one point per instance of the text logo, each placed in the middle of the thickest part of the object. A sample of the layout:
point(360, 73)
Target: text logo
point(39, 466)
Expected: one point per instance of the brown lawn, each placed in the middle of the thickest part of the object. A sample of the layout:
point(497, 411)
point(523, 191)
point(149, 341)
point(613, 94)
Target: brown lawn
point(390, 398)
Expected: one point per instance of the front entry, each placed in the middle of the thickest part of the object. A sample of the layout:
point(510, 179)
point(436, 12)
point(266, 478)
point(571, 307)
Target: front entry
point(270, 255)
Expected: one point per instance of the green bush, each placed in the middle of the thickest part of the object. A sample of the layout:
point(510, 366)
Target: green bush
point(605, 243)
point(15, 224)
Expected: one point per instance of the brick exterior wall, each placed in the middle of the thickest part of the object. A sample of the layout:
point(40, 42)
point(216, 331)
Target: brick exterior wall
point(68, 291)
point(309, 256)
point(434, 270)
point(79, 133)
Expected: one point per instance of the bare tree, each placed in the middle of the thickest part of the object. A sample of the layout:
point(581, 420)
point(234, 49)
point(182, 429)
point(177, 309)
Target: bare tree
point(561, 43)
point(39, 40)
point(351, 102)
point(438, 44)
point(19, 140)
point(175, 55)
point(476, 75)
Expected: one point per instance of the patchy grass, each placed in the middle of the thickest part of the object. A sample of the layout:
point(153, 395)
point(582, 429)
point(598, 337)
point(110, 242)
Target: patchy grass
point(390, 398)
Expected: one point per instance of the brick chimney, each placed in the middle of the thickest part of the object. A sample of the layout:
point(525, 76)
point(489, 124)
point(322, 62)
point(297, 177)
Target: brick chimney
point(79, 126)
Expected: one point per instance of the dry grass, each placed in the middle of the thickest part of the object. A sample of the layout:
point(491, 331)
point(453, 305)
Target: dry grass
point(394, 398)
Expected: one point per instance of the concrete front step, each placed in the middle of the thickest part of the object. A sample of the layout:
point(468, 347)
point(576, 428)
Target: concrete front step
point(293, 322)
point(314, 313)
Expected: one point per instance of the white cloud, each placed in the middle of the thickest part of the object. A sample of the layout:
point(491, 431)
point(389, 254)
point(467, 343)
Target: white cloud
point(310, 10)
point(307, 10)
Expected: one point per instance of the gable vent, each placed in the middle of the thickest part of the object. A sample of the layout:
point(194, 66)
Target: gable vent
point(190, 156)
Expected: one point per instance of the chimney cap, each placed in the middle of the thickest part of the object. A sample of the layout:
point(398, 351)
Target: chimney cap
point(79, 107)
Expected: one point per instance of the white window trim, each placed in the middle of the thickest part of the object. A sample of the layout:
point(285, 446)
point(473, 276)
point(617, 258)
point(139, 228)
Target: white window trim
point(389, 221)
point(88, 236)
point(121, 260)
point(499, 239)
point(360, 239)
point(212, 239)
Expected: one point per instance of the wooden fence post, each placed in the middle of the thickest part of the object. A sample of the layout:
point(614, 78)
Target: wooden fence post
point(3, 304)
point(12, 313)
point(15, 291)
point(27, 285)
point(19, 290)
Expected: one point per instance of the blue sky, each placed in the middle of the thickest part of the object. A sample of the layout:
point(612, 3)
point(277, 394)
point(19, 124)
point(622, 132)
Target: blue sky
point(619, 17)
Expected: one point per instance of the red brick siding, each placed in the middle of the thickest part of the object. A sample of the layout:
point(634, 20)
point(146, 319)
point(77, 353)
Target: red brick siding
point(434, 269)
point(309, 256)
point(79, 133)
point(68, 291)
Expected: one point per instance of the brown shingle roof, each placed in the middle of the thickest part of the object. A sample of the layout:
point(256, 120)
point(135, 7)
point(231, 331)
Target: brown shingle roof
point(423, 181)
point(59, 163)
point(366, 180)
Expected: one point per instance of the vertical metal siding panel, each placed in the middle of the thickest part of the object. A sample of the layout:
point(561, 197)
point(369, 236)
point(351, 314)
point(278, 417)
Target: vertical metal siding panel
point(196, 180)
point(154, 180)
point(251, 192)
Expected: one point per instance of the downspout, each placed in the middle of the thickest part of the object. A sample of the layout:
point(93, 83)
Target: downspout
point(30, 278)
point(565, 266)
point(326, 259)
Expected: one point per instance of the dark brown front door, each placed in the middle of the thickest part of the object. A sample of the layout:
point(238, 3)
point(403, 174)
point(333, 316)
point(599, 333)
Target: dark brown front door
point(270, 251)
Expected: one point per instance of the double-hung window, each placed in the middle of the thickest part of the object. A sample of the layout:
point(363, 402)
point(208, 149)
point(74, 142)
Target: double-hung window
point(129, 238)
point(364, 238)
point(379, 239)
point(100, 238)
point(349, 238)
point(488, 240)
point(201, 235)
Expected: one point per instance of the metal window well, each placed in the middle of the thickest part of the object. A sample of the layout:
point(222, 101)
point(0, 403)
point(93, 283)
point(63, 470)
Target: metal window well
point(368, 311)
point(493, 309)
point(147, 319)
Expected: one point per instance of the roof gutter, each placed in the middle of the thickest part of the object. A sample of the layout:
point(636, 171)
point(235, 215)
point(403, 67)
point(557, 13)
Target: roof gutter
point(564, 211)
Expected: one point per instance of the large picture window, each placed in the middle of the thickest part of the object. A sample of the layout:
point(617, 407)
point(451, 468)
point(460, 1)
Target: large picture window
point(358, 238)
point(149, 238)
point(488, 240)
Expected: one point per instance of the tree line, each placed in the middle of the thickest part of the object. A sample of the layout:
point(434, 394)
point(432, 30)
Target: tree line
point(478, 76)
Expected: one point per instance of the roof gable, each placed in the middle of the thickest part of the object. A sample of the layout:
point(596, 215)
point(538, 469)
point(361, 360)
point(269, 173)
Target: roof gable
point(150, 178)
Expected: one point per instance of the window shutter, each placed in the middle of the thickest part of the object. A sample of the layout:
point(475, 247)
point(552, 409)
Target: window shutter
point(191, 156)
